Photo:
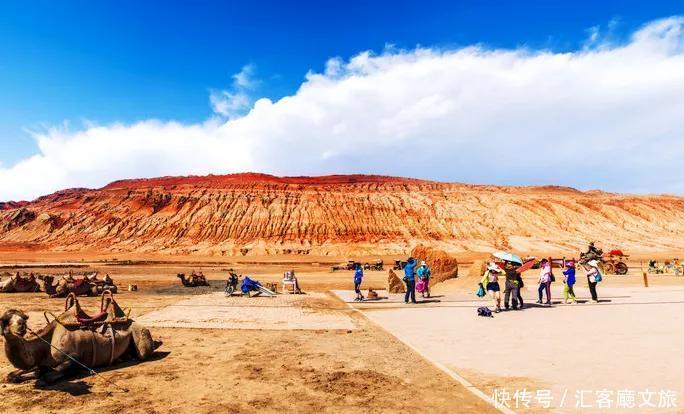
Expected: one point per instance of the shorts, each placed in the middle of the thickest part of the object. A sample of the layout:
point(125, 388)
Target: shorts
point(493, 286)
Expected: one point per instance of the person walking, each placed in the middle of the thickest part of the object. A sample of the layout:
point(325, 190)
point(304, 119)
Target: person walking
point(410, 279)
point(512, 289)
point(490, 279)
point(569, 282)
point(521, 285)
point(423, 273)
point(593, 276)
point(544, 281)
point(358, 278)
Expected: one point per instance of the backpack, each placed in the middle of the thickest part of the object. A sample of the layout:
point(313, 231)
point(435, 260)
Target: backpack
point(484, 311)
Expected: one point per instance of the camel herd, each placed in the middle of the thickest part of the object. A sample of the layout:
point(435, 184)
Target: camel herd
point(72, 339)
point(58, 286)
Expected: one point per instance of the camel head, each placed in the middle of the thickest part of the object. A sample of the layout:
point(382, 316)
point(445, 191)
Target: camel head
point(13, 322)
point(181, 276)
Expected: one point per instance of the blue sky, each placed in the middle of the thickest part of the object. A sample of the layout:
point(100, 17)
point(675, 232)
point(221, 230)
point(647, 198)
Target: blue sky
point(131, 61)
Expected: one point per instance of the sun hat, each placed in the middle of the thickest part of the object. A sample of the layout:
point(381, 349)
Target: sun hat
point(492, 266)
point(422, 263)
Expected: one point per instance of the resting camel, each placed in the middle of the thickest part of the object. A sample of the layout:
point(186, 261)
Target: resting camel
point(193, 281)
point(35, 358)
point(67, 285)
point(17, 283)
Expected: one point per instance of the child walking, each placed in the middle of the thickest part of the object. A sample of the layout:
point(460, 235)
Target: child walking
point(569, 281)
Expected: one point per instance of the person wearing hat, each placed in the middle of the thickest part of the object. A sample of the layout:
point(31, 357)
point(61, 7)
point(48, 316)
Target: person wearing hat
point(569, 281)
point(423, 273)
point(490, 279)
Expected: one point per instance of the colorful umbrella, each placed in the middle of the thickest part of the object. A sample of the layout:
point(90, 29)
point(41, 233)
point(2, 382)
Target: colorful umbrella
point(509, 257)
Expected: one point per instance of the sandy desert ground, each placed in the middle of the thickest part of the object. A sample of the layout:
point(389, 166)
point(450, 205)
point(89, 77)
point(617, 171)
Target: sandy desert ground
point(314, 353)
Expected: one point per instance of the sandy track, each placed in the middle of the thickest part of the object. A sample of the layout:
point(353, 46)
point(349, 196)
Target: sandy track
point(244, 371)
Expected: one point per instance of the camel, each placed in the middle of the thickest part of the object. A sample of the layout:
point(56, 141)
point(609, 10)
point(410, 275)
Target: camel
point(35, 356)
point(67, 285)
point(99, 286)
point(17, 283)
point(45, 283)
point(193, 281)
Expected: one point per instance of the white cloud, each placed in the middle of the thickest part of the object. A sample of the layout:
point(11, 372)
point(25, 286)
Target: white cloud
point(236, 101)
point(608, 117)
point(245, 78)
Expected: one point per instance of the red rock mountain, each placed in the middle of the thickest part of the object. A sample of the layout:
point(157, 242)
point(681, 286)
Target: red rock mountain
point(336, 215)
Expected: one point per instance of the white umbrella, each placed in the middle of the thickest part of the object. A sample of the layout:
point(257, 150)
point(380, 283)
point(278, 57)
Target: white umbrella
point(509, 257)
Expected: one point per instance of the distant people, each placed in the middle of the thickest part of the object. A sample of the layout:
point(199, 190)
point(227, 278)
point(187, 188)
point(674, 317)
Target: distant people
point(569, 282)
point(593, 252)
point(653, 266)
point(490, 280)
point(544, 281)
point(512, 285)
point(358, 278)
point(423, 273)
point(593, 275)
point(410, 280)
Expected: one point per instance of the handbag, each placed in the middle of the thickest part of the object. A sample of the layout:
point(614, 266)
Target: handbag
point(480, 291)
point(552, 278)
point(598, 277)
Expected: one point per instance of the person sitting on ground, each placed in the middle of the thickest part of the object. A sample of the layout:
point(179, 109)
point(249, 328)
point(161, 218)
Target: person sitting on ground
point(512, 285)
point(423, 273)
point(490, 280)
point(544, 281)
point(358, 278)
point(569, 282)
point(410, 280)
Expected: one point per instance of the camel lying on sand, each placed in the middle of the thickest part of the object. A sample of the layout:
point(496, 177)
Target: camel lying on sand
point(17, 283)
point(95, 342)
point(88, 286)
point(193, 281)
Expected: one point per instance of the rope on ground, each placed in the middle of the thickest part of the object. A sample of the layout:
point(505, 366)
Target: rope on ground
point(87, 368)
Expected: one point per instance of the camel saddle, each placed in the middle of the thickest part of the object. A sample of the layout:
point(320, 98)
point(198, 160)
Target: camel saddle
point(110, 313)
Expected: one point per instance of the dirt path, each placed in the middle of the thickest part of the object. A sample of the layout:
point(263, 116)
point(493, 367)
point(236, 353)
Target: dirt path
point(244, 371)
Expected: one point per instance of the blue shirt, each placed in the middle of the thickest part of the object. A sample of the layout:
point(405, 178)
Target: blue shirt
point(423, 272)
point(358, 275)
point(409, 270)
point(570, 273)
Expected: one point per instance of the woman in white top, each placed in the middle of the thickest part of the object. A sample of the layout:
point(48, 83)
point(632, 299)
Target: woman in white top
point(592, 272)
point(545, 281)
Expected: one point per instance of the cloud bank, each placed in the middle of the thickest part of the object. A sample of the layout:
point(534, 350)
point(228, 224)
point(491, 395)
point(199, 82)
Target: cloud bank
point(606, 116)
